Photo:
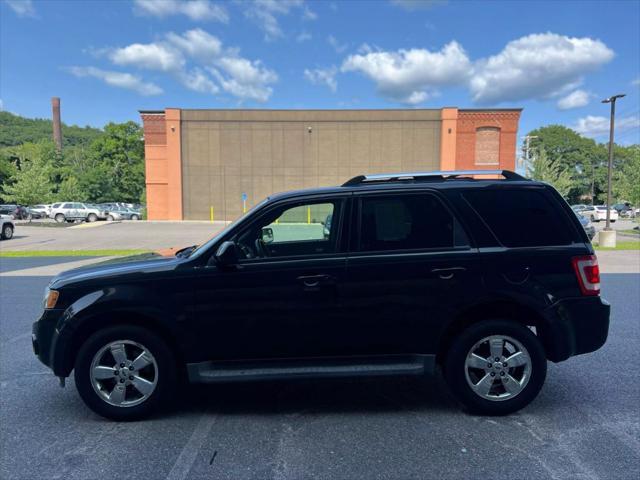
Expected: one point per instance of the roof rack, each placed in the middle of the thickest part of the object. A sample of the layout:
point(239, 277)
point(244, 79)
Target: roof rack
point(426, 176)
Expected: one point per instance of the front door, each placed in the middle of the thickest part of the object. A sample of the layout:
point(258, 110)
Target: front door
point(412, 266)
point(283, 298)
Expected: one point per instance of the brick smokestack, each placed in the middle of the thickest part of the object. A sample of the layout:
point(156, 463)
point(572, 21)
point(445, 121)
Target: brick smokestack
point(57, 125)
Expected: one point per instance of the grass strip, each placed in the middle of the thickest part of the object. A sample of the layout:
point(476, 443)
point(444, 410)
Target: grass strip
point(630, 245)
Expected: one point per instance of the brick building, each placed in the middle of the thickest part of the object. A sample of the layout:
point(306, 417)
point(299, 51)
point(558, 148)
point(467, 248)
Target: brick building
point(199, 161)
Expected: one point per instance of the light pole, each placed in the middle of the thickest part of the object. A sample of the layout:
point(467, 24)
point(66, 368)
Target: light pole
point(612, 100)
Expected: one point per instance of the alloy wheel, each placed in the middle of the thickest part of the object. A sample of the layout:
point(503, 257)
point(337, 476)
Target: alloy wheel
point(498, 368)
point(124, 373)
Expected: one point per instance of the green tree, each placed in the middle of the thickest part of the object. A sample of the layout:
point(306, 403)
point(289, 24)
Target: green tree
point(71, 190)
point(117, 157)
point(552, 172)
point(626, 184)
point(31, 182)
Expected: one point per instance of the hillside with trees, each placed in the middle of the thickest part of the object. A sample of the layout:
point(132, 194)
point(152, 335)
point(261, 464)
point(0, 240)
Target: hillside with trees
point(16, 130)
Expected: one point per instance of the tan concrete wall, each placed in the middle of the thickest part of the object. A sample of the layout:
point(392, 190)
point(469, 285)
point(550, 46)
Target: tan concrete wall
point(259, 152)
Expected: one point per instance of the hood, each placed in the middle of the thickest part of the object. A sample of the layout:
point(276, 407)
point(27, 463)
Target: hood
point(142, 263)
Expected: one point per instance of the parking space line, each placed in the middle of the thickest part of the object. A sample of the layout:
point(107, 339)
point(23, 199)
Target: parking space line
point(190, 451)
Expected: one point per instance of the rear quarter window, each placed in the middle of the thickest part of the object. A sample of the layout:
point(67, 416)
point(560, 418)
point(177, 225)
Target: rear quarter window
point(522, 217)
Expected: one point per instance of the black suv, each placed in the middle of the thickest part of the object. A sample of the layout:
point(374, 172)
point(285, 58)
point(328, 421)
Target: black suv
point(486, 279)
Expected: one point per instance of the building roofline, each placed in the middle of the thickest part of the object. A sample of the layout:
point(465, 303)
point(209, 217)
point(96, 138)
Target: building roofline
point(490, 109)
point(151, 112)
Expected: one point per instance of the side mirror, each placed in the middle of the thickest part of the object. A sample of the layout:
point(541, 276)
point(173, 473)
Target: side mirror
point(226, 254)
point(267, 235)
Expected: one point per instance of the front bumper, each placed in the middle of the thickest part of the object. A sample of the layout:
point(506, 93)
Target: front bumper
point(44, 334)
point(575, 326)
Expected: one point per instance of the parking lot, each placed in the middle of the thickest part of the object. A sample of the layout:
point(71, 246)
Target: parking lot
point(584, 425)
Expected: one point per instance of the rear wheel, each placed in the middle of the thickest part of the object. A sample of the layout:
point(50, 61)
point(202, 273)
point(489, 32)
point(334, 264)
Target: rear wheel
point(60, 218)
point(135, 217)
point(125, 372)
point(110, 218)
point(92, 217)
point(7, 232)
point(495, 367)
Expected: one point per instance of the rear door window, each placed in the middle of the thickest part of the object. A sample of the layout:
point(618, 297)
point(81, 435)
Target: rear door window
point(408, 222)
point(522, 217)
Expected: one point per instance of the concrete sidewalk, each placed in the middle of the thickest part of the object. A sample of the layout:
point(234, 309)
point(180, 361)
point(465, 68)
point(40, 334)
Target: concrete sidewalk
point(139, 235)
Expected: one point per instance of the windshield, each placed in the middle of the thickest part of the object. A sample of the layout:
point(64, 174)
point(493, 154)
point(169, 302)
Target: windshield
point(206, 245)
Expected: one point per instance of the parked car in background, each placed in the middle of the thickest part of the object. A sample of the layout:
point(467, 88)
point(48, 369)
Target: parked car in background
point(71, 211)
point(625, 210)
point(112, 213)
point(596, 213)
point(587, 225)
point(40, 211)
point(6, 227)
point(16, 212)
point(578, 208)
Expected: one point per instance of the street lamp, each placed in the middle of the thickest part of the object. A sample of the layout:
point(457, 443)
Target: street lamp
point(612, 101)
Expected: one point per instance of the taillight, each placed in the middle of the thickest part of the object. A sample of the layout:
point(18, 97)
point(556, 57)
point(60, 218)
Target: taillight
point(588, 274)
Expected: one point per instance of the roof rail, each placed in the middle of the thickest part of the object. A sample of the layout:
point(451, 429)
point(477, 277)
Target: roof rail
point(437, 175)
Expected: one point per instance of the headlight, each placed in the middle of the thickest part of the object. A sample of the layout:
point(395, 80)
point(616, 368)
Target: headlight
point(50, 298)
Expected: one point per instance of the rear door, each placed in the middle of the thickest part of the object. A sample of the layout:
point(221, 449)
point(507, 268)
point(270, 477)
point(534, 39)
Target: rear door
point(411, 266)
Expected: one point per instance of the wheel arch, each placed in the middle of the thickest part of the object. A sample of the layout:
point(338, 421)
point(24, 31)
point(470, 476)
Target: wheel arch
point(101, 320)
point(500, 309)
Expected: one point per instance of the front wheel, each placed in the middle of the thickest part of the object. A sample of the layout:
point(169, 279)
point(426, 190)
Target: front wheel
point(7, 232)
point(125, 372)
point(495, 367)
point(60, 218)
point(135, 217)
point(92, 217)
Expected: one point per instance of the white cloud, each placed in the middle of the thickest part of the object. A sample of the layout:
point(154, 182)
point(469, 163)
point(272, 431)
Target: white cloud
point(198, 44)
point(337, 46)
point(198, 10)
point(303, 37)
point(412, 5)
point(326, 76)
point(411, 76)
point(22, 8)
point(576, 99)
point(245, 79)
point(636, 82)
point(265, 14)
point(198, 81)
point(118, 79)
point(536, 66)
point(308, 14)
point(151, 56)
point(594, 126)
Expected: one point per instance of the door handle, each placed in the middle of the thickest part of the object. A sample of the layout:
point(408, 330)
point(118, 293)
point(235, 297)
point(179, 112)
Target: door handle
point(314, 280)
point(447, 273)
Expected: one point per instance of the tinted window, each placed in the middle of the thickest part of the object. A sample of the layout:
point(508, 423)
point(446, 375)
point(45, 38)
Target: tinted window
point(302, 229)
point(407, 222)
point(67, 205)
point(523, 217)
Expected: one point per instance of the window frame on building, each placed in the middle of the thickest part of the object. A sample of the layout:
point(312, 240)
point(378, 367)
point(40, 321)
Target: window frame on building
point(487, 128)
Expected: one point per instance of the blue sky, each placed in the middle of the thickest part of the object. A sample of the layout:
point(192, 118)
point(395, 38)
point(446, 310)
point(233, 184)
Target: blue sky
point(108, 59)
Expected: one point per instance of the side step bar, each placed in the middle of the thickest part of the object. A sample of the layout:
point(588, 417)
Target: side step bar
point(255, 370)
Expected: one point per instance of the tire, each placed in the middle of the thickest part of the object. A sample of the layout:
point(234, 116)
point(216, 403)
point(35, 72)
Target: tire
point(92, 217)
point(594, 219)
point(110, 218)
point(135, 217)
point(60, 218)
point(132, 404)
point(7, 232)
point(528, 377)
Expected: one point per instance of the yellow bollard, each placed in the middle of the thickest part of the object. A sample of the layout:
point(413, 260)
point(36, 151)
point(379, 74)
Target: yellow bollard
point(211, 213)
point(308, 214)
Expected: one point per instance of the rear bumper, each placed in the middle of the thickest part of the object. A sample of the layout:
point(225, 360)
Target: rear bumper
point(575, 326)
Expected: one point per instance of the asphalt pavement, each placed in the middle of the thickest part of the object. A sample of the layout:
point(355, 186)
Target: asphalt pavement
point(584, 425)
